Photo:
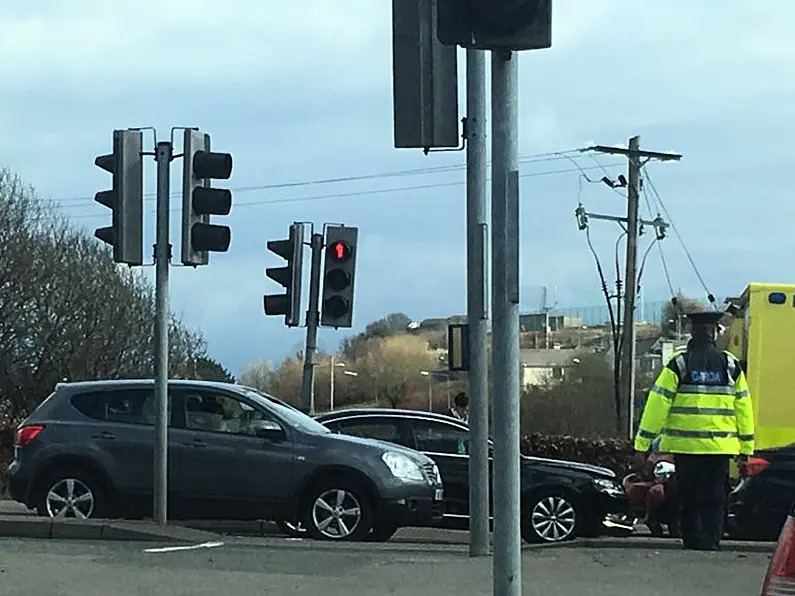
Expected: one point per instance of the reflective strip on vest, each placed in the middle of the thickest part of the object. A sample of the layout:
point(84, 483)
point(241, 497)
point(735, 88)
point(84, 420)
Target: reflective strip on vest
point(703, 411)
point(700, 434)
point(663, 391)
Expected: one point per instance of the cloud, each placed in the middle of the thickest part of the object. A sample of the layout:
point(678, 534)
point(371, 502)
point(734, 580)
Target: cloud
point(300, 91)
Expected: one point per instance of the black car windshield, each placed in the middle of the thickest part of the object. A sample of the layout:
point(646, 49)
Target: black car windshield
point(285, 411)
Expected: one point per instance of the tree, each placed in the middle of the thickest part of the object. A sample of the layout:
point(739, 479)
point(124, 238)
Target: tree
point(259, 375)
point(392, 324)
point(70, 312)
point(208, 369)
point(392, 367)
point(673, 321)
point(581, 405)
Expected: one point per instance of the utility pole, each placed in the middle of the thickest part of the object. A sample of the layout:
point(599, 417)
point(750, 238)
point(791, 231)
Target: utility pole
point(477, 305)
point(505, 321)
point(629, 332)
point(331, 386)
point(163, 157)
point(312, 320)
point(627, 357)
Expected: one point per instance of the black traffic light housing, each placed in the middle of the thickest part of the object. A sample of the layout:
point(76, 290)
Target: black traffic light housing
point(290, 276)
point(200, 201)
point(339, 273)
point(126, 198)
point(487, 25)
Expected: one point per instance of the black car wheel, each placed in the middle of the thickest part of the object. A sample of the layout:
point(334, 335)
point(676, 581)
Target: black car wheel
point(549, 516)
point(70, 493)
point(338, 510)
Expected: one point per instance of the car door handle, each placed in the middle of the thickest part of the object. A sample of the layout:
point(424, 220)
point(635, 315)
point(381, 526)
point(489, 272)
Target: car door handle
point(196, 443)
point(104, 436)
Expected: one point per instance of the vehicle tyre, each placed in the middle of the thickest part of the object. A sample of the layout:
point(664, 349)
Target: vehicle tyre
point(338, 510)
point(382, 531)
point(71, 493)
point(293, 529)
point(549, 516)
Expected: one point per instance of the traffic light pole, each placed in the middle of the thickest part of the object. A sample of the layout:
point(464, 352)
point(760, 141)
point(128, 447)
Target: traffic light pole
point(163, 157)
point(312, 321)
point(507, 568)
point(477, 311)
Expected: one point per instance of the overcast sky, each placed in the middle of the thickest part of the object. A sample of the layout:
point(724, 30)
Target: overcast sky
point(300, 91)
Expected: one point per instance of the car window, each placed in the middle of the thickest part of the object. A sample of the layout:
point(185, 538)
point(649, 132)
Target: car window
point(433, 437)
point(214, 412)
point(127, 406)
point(381, 429)
point(289, 414)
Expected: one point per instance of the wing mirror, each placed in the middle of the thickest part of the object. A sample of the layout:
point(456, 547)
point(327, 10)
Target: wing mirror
point(267, 429)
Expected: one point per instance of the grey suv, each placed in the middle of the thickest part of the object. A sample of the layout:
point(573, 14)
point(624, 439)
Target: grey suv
point(234, 453)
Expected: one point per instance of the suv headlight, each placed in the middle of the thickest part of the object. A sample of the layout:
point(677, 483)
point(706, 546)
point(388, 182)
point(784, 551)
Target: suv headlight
point(403, 467)
point(609, 487)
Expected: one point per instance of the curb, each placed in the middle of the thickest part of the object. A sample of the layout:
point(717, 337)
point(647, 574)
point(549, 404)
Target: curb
point(78, 529)
point(629, 543)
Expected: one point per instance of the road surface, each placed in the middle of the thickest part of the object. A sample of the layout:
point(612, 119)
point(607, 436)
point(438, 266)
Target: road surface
point(306, 568)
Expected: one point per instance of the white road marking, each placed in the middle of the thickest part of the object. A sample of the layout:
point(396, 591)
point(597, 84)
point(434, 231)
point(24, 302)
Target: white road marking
point(171, 549)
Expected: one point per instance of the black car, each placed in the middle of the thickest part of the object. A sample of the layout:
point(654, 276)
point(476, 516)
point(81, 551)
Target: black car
point(234, 453)
point(561, 499)
point(760, 502)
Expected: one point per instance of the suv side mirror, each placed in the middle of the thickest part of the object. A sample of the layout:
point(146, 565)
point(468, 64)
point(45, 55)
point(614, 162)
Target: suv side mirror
point(267, 429)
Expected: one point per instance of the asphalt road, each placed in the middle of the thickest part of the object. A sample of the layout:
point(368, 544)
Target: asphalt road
point(298, 567)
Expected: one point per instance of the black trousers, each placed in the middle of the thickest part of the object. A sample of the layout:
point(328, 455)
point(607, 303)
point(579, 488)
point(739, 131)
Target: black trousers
point(702, 481)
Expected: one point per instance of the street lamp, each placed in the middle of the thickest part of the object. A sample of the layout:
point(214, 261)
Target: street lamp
point(431, 374)
point(334, 367)
point(426, 373)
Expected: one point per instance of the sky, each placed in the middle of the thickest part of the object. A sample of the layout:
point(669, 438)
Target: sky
point(300, 92)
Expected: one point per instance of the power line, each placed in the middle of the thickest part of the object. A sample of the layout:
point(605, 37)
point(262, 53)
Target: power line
point(532, 158)
point(366, 192)
point(710, 296)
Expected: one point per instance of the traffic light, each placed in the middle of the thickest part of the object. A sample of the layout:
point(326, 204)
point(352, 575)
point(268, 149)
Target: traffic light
point(200, 201)
point(488, 25)
point(289, 276)
point(126, 197)
point(339, 271)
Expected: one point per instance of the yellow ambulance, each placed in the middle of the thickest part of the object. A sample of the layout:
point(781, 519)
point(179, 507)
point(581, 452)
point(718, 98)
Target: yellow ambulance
point(762, 336)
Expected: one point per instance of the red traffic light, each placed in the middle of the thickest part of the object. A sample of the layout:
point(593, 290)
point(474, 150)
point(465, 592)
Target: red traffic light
point(339, 251)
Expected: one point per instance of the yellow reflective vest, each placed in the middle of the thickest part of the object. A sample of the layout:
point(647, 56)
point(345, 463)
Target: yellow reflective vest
point(698, 419)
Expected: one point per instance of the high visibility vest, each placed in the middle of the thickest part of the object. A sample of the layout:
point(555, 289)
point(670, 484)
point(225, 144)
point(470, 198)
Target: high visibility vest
point(695, 414)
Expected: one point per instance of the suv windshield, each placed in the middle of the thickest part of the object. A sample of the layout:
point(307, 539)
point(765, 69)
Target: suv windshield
point(287, 412)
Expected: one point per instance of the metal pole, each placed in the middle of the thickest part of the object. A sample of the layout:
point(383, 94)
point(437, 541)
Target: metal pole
point(331, 387)
point(312, 317)
point(163, 156)
point(430, 393)
point(477, 305)
point(630, 289)
point(507, 571)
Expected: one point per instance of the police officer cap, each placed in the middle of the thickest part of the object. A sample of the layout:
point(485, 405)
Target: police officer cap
point(705, 317)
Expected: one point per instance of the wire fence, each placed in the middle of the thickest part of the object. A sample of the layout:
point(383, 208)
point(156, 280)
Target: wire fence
point(649, 311)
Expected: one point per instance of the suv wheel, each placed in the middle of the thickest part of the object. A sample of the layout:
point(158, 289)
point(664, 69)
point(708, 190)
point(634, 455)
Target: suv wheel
point(338, 510)
point(75, 494)
point(550, 516)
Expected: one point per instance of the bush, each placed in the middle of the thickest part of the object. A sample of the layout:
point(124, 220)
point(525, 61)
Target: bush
point(6, 452)
point(613, 454)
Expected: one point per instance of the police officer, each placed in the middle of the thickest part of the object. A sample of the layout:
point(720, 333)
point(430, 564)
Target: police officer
point(701, 405)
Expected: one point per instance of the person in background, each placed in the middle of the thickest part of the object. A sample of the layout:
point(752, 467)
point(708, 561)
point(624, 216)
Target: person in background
point(701, 406)
point(460, 409)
